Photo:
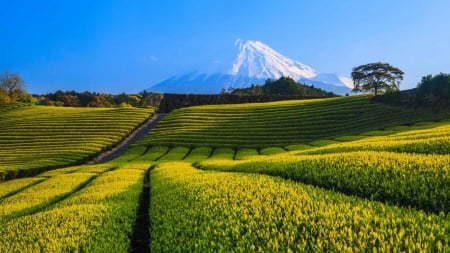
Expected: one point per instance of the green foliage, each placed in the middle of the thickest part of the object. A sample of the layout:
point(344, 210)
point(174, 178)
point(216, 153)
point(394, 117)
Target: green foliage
point(376, 77)
point(298, 147)
point(438, 85)
point(153, 154)
point(350, 138)
point(93, 99)
point(131, 154)
point(124, 105)
point(434, 91)
point(283, 86)
point(223, 154)
point(198, 154)
point(320, 143)
point(272, 150)
point(244, 153)
point(175, 154)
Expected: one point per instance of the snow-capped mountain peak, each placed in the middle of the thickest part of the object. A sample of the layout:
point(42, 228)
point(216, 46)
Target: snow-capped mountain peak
point(255, 63)
point(258, 60)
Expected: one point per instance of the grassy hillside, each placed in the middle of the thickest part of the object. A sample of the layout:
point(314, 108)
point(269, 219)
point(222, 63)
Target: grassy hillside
point(34, 139)
point(276, 124)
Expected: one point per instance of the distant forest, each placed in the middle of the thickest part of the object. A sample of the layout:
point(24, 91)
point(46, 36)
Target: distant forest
point(93, 99)
point(282, 86)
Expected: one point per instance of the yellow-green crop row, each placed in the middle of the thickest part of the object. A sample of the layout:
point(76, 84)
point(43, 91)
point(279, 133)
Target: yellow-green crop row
point(205, 211)
point(198, 154)
point(10, 187)
point(245, 153)
point(177, 153)
point(152, 154)
point(97, 218)
point(34, 139)
point(421, 181)
point(40, 195)
point(131, 154)
point(435, 139)
point(9, 106)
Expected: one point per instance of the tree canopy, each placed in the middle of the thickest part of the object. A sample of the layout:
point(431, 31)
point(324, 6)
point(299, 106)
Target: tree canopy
point(282, 86)
point(12, 86)
point(437, 85)
point(376, 77)
point(93, 99)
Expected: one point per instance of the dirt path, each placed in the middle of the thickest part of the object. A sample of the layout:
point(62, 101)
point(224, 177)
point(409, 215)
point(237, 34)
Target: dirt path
point(133, 137)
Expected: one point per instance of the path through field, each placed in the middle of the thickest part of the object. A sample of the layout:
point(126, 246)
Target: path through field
point(133, 137)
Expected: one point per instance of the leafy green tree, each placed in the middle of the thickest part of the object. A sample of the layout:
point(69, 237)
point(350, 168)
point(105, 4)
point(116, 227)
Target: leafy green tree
point(283, 86)
point(376, 77)
point(437, 85)
point(12, 85)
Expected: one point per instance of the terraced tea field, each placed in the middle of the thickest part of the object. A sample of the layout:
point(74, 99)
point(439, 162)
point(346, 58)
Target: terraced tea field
point(250, 178)
point(276, 124)
point(35, 139)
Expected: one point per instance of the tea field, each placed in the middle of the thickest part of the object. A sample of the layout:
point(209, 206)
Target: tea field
point(277, 124)
point(328, 175)
point(34, 139)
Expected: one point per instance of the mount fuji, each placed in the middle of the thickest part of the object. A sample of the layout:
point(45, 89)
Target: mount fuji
point(255, 63)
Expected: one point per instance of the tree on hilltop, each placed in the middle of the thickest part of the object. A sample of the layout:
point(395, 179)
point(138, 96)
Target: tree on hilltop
point(12, 85)
point(376, 77)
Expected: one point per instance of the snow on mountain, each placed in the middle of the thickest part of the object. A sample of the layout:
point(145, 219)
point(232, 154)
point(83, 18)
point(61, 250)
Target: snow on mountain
point(255, 63)
point(256, 59)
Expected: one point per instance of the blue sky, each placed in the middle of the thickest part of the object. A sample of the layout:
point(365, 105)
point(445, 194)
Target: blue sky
point(127, 46)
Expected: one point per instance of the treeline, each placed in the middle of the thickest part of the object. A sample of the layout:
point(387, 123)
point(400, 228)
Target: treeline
point(93, 99)
point(433, 92)
point(282, 86)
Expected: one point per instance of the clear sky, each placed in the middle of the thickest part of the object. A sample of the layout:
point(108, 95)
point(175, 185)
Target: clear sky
point(129, 45)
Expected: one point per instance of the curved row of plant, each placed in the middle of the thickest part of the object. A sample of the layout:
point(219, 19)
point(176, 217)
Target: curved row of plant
point(196, 211)
point(279, 124)
point(89, 208)
point(9, 106)
point(421, 181)
point(35, 139)
point(424, 138)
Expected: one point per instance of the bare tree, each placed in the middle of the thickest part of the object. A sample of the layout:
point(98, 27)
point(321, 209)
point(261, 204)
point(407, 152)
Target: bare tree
point(13, 85)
